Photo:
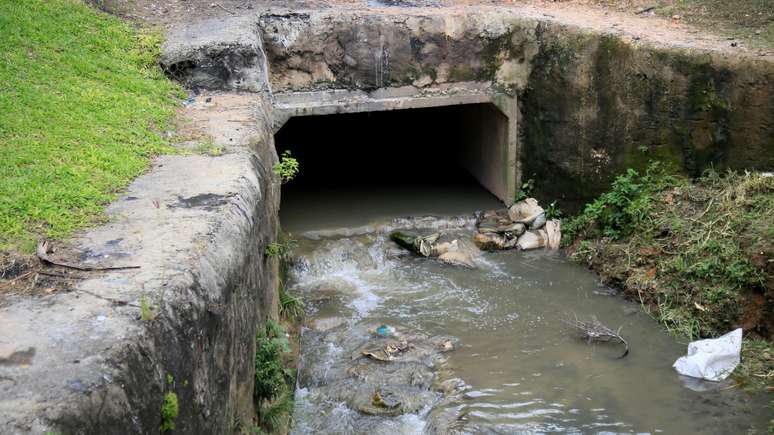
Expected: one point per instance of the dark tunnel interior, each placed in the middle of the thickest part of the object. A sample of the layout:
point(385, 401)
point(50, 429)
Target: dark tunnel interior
point(383, 163)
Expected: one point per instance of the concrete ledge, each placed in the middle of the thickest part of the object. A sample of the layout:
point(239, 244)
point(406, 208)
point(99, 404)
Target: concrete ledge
point(197, 226)
point(329, 102)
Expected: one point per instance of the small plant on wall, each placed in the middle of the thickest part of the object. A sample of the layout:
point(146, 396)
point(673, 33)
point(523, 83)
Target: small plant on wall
point(287, 168)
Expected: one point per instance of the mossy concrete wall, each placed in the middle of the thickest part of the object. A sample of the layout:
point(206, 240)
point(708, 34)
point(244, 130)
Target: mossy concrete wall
point(596, 105)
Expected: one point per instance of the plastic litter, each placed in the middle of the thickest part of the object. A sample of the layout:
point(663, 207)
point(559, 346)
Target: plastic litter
point(712, 359)
point(385, 331)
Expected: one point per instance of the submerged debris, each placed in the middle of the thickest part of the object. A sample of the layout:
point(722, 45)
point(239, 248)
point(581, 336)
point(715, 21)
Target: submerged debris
point(522, 226)
point(449, 252)
point(594, 331)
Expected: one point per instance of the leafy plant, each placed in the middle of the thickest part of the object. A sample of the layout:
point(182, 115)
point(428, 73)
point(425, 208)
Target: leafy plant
point(147, 311)
point(209, 148)
point(282, 248)
point(169, 412)
point(290, 306)
point(270, 374)
point(615, 213)
point(553, 212)
point(287, 168)
point(526, 190)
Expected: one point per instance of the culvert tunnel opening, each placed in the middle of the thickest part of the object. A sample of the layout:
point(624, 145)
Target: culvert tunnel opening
point(359, 168)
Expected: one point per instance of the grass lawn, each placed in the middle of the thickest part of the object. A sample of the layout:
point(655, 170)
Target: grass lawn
point(83, 108)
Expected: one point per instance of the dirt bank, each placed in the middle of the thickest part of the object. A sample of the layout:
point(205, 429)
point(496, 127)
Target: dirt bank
point(698, 255)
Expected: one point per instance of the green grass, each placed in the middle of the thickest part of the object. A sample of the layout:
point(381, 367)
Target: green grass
point(82, 110)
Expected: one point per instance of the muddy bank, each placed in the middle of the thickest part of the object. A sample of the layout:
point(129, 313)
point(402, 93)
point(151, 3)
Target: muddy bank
point(697, 255)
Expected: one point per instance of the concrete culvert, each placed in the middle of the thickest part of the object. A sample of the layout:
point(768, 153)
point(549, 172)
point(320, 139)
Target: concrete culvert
point(443, 148)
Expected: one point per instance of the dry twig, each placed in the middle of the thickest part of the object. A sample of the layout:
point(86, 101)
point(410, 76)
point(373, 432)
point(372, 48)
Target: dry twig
point(594, 331)
point(44, 248)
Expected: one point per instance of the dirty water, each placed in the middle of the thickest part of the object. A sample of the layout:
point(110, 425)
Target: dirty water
point(485, 350)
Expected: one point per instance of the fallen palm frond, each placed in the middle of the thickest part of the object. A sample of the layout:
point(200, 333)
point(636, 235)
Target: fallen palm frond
point(594, 331)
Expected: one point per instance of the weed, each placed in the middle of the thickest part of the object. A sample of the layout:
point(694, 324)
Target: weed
point(270, 375)
point(273, 391)
point(273, 250)
point(553, 212)
point(615, 213)
point(147, 312)
point(287, 168)
point(169, 412)
point(290, 306)
point(526, 190)
point(210, 149)
point(282, 248)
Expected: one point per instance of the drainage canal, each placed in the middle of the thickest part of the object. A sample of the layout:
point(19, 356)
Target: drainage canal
point(395, 343)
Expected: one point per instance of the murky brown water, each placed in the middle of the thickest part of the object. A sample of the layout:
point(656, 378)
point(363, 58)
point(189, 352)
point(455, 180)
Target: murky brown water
point(515, 367)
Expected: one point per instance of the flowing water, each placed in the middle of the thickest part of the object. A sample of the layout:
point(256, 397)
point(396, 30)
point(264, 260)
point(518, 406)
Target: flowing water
point(514, 367)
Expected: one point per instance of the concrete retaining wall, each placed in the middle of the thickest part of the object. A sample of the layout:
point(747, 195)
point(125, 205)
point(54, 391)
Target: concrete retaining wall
point(198, 227)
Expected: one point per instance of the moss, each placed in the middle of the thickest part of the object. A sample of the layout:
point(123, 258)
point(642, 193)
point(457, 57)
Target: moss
point(463, 72)
point(169, 412)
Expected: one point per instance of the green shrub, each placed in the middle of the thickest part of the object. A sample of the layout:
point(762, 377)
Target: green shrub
point(615, 213)
point(526, 190)
point(169, 412)
point(287, 168)
point(274, 382)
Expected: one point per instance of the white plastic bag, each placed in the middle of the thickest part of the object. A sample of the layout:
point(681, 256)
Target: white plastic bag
point(712, 359)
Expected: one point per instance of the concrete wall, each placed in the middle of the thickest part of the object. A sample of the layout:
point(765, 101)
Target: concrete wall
point(483, 146)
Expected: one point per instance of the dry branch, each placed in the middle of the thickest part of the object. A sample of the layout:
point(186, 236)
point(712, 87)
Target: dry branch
point(594, 331)
point(44, 248)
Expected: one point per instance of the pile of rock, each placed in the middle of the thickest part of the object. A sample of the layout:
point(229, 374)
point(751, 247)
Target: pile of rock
point(523, 226)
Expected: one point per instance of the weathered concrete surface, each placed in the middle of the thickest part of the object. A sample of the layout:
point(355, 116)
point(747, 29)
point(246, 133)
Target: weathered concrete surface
point(422, 47)
point(597, 105)
point(197, 226)
point(218, 53)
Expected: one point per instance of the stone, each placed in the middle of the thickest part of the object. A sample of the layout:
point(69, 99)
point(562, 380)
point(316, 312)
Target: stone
point(528, 212)
point(532, 239)
point(553, 231)
point(493, 242)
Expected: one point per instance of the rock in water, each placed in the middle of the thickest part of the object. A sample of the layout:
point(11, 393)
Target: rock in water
point(493, 241)
point(457, 258)
point(532, 240)
point(528, 212)
point(553, 229)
